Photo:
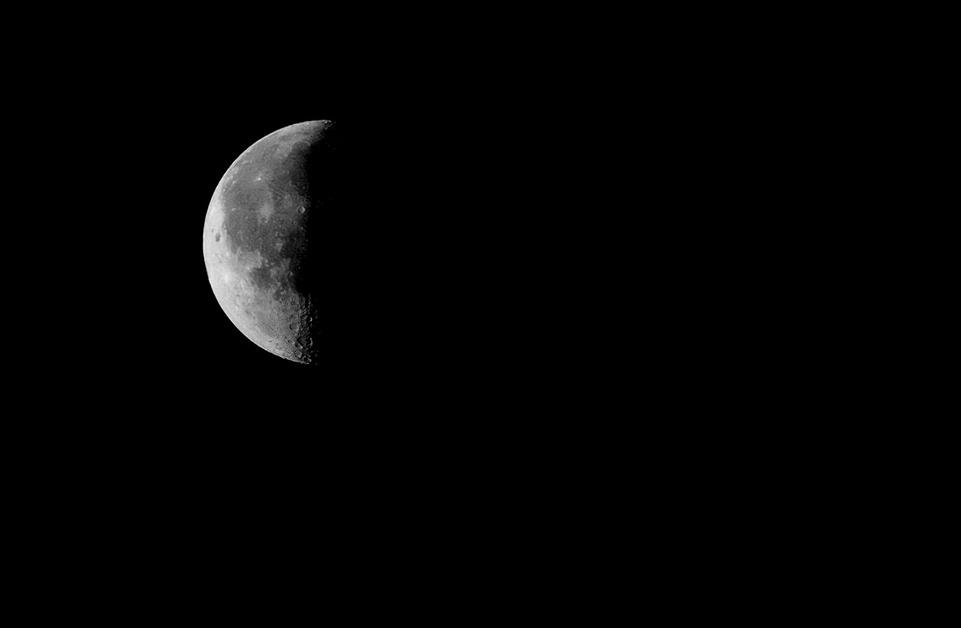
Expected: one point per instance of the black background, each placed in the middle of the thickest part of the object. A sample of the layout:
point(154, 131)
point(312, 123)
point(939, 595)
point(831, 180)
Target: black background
point(509, 333)
point(452, 240)
point(146, 420)
point(461, 363)
point(522, 354)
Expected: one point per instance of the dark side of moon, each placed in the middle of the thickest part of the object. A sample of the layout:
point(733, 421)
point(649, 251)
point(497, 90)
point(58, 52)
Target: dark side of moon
point(258, 237)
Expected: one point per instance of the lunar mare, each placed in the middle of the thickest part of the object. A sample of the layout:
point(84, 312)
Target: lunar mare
point(256, 241)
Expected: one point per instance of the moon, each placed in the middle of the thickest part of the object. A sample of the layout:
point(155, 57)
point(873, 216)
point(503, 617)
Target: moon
point(260, 241)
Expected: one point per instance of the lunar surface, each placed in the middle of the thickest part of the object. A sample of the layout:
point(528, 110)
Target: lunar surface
point(260, 241)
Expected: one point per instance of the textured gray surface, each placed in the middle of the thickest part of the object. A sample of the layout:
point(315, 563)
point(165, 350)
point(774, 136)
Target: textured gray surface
point(256, 239)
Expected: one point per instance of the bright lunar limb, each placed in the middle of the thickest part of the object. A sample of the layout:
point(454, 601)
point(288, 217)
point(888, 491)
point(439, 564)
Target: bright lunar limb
point(257, 239)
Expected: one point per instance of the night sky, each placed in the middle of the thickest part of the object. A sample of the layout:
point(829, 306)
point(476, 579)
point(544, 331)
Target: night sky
point(454, 253)
point(427, 303)
point(454, 385)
